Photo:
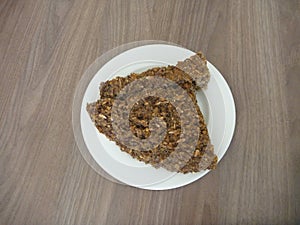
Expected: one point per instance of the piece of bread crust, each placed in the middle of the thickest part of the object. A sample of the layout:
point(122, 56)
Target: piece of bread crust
point(196, 67)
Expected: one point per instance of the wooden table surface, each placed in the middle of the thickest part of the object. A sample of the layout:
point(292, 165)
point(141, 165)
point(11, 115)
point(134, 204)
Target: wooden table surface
point(45, 47)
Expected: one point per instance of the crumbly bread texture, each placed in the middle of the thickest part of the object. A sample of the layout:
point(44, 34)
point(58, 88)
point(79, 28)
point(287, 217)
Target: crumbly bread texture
point(196, 67)
point(144, 110)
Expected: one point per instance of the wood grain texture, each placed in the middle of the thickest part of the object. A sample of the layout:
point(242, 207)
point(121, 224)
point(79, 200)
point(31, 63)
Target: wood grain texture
point(46, 45)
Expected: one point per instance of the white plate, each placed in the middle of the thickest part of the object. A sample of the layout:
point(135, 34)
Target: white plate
point(216, 103)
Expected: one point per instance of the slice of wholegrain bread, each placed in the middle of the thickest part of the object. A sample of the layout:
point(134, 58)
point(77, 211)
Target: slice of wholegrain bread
point(100, 112)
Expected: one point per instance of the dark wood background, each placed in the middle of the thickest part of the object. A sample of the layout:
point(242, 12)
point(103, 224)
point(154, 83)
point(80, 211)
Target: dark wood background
point(45, 47)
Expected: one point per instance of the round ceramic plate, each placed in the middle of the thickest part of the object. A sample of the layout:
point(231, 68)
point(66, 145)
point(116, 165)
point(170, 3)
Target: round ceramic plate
point(216, 103)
